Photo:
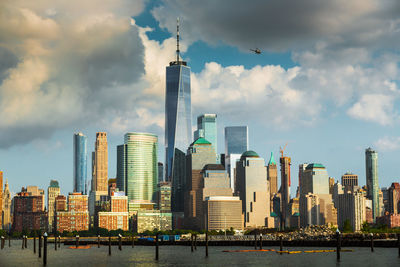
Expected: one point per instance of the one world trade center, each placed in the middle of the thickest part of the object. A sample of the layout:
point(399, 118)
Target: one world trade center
point(178, 126)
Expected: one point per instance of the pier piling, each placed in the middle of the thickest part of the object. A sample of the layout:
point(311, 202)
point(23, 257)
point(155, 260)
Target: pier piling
point(281, 243)
point(133, 241)
point(260, 241)
point(9, 239)
point(34, 244)
point(255, 241)
point(372, 242)
point(45, 249)
point(77, 241)
point(98, 241)
point(157, 247)
point(191, 242)
point(2, 242)
point(120, 242)
point(59, 241)
point(23, 242)
point(195, 242)
point(206, 244)
point(55, 242)
point(338, 245)
point(109, 246)
point(26, 241)
point(40, 246)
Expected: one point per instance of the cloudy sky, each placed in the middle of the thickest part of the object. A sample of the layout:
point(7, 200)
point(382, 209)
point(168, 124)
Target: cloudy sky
point(327, 82)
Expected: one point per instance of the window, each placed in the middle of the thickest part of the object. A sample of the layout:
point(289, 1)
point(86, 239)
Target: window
point(254, 196)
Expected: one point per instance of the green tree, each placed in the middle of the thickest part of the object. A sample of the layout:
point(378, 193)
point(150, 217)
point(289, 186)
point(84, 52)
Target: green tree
point(347, 228)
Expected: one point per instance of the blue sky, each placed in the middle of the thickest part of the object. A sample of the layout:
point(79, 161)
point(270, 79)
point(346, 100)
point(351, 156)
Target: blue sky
point(326, 82)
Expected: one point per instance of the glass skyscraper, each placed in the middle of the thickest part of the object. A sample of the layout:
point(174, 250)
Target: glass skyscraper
point(207, 128)
point(137, 167)
point(178, 126)
point(236, 140)
point(80, 163)
point(371, 166)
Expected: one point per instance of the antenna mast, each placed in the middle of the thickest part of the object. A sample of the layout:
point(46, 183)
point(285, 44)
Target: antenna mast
point(177, 40)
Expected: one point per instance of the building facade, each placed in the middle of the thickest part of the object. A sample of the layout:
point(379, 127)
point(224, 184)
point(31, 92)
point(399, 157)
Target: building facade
point(207, 128)
point(371, 165)
point(351, 206)
point(285, 190)
point(80, 163)
point(253, 190)
point(52, 192)
point(77, 216)
point(117, 217)
point(151, 220)
point(394, 199)
point(6, 210)
point(223, 212)
point(100, 163)
point(317, 209)
point(164, 197)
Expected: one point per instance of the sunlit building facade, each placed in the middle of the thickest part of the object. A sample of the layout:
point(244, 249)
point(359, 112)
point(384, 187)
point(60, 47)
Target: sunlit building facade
point(80, 163)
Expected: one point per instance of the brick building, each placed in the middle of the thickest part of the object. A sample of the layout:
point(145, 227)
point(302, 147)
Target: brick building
point(118, 216)
point(77, 216)
point(390, 220)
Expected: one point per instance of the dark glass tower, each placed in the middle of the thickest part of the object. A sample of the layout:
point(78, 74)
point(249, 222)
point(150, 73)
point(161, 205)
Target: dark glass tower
point(178, 126)
point(80, 163)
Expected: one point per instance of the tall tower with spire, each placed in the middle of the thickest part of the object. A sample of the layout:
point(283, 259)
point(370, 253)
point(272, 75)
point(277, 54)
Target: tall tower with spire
point(272, 174)
point(6, 213)
point(178, 125)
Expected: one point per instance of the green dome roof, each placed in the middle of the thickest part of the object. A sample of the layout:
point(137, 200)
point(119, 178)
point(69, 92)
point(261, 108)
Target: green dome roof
point(201, 141)
point(250, 154)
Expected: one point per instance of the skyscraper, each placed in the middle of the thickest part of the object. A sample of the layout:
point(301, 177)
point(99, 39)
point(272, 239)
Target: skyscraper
point(52, 192)
point(272, 174)
point(6, 216)
point(253, 190)
point(315, 180)
point(236, 143)
point(140, 166)
point(178, 124)
point(207, 128)
point(1, 197)
point(80, 163)
point(100, 163)
point(371, 166)
point(285, 190)
point(394, 198)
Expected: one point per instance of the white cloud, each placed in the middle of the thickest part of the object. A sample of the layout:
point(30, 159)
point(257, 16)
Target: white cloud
point(388, 143)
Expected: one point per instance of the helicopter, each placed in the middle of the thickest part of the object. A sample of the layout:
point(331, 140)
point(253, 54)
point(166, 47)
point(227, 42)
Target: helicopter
point(257, 51)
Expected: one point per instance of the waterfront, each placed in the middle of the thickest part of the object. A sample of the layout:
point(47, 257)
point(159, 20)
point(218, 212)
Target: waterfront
point(182, 256)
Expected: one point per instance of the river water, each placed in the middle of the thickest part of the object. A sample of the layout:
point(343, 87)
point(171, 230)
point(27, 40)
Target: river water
point(182, 256)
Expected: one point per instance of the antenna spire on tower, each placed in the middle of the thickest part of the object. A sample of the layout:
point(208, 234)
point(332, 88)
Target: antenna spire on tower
point(177, 39)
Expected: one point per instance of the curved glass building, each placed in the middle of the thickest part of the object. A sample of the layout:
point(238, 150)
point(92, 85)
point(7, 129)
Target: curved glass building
point(80, 163)
point(138, 159)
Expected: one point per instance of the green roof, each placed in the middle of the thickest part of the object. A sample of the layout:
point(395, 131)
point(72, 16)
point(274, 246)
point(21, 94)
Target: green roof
point(272, 160)
point(54, 183)
point(273, 214)
point(250, 154)
point(201, 141)
point(315, 165)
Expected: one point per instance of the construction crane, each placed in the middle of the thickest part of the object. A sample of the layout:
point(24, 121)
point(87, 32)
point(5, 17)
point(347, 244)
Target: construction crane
point(282, 150)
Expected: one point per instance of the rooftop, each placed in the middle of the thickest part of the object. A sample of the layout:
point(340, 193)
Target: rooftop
point(201, 141)
point(272, 160)
point(315, 166)
point(214, 167)
point(249, 154)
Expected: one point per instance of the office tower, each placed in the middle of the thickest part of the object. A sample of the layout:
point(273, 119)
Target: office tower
point(236, 143)
point(200, 153)
point(350, 182)
point(29, 212)
point(317, 209)
point(100, 163)
point(140, 167)
point(285, 190)
point(315, 180)
point(394, 198)
point(178, 125)
point(371, 165)
point(272, 174)
point(331, 185)
point(77, 216)
point(52, 192)
point(385, 194)
point(223, 212)
point(294, 212)
point(1, 198)
point(164, 196)
point(253, 190)
point(121, 167)
point(60, 203)
point(160, 172)
point(80, 163)
point(117, 217)
point(6, 215)
point(351, 206)
point(112, 186)
point(207, 128)
point(337, 190)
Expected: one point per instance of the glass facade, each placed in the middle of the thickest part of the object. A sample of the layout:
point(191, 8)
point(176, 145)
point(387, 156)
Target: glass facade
point(371, 165)
point(137, 161)
point(236, 140)
point(80, 163)
point(207, 128)
point(178, 125)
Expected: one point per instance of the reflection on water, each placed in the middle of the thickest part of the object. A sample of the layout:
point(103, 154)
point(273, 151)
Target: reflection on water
point(182, 256)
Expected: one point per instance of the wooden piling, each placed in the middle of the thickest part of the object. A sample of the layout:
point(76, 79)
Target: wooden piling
point(26, 241)
point(23, 242)
point(59, 241)
point(55, 242)
point(372, 242)
point(133, 241)
point(98, 241)
point(45, 249)
point(191, 242)
point(280, 243)
point(77, 241)
point(255, 241)
point(34, 244)
point(119, 242)
point(157, 247)
point(40, 246)
point(260, 241)
point(2, 242)
point(109, 246)
point(338, 245)
point(195, 242)
point(207, 244)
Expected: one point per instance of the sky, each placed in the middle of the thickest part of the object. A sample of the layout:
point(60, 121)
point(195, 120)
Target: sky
point(326, 82)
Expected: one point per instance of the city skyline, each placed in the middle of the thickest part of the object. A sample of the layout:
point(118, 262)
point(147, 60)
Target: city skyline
point(356, 112)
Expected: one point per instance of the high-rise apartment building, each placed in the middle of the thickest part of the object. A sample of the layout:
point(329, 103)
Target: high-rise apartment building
point(178, 125)
point(160, 172)
point(100, 163)
point(6, 213)
point(164, 197)
point(77, 216)
point(138, 167)
point(29, 212)
point(253, 190)
point(285, 190)
point(351, 206)
point(371, 166)
point(207, 128)
point(394, 198)
point(52, 192)
point(80, 163)
point(117, 217)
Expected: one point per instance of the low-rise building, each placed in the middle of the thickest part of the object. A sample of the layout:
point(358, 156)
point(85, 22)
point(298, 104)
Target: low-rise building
point(223, 212)
point(151, 220)
point(77, 216)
